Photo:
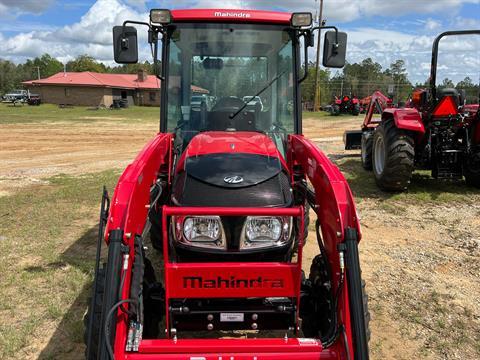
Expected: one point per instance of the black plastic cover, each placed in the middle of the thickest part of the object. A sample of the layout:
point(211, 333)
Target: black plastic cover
point(246, 169)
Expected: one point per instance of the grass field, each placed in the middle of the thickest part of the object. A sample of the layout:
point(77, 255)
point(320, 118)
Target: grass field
point(420, 249)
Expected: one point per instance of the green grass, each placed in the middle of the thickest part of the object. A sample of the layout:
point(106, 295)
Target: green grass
point(422, 190)
point(48, 113)
point(47, 251)
point(317, 115)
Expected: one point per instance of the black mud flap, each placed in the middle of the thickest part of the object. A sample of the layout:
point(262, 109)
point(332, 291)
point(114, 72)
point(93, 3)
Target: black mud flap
point(352, 139)
point(354, 280)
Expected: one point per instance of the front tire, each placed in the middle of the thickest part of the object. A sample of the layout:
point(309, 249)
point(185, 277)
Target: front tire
point(367, 145)
point(393, 157)
point(472, 169)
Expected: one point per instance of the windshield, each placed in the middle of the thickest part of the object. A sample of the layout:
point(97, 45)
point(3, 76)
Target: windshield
point(216, 70)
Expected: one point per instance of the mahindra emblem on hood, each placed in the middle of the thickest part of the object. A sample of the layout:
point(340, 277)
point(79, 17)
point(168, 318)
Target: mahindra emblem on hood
point(234, 179)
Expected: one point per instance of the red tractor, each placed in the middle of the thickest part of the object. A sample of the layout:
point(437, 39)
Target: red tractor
point(223, 195)
point(346, 105)
point(437, 131)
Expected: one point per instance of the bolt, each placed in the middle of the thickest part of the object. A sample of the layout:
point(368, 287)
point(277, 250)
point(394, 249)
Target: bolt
point(210, 317)
point(254, 326)
point(128, 235)
point(254, 317)
point(339, 234)
point(210, 327)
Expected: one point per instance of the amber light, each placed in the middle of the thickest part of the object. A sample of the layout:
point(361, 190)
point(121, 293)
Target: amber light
point(417, 96)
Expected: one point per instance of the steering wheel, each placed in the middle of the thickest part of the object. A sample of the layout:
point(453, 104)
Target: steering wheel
point(228, 103)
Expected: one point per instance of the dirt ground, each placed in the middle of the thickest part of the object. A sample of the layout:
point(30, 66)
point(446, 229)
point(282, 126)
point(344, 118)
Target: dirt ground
point(420, 256)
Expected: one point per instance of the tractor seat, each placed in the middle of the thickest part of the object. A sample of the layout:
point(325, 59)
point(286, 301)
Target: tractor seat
point(220, 121)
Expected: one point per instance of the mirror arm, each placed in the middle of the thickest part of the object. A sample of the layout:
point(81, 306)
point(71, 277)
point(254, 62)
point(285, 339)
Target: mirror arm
point(152, 40)
point(305, 74)
point(335, 46)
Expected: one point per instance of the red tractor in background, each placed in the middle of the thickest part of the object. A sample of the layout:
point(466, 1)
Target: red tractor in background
point(346, 104)
point(437, 131)
point(223, 194)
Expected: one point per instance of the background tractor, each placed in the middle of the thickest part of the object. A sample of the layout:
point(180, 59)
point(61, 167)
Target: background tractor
point(223, 194)
point(437, 131)
point(345, 104)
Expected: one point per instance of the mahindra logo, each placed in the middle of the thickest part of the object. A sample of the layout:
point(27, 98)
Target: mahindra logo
point(232, 282)
point(232, 14)
point(234, 179)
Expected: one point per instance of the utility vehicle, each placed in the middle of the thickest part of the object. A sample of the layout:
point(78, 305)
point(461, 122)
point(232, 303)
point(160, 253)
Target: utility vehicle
point(436, 131)
point(224, 195)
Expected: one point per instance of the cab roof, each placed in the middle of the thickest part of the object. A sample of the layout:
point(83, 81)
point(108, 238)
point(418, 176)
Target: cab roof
point(231, 15)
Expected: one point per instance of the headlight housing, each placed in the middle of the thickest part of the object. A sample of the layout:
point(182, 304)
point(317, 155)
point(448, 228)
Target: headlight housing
point(265, 232)
point(200, 231)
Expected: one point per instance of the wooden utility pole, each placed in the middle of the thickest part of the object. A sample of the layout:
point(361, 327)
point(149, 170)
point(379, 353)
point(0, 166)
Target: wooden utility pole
point(316, 99)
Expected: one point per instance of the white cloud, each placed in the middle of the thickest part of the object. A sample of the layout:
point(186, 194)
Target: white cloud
point(431, 24)
point(13, 8)
point(91, 35)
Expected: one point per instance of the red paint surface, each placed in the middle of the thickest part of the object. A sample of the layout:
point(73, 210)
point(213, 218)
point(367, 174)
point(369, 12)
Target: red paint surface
point(406, 118)
point(214, 142)
point(232, 15)
point(288, 274)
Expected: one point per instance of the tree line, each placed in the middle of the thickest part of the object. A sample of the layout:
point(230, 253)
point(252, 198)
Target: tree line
point(360, 79)
point(363, 78)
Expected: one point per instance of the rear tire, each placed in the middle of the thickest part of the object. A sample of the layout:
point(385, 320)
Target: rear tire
point(472, 169)
point(336, 110)
point(356, 110)
point(92, 352)
point(367, 146)
point(393, 157)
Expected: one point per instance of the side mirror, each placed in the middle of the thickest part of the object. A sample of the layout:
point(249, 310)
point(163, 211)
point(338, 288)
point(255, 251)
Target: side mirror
point(334, 49)
point(125, 47)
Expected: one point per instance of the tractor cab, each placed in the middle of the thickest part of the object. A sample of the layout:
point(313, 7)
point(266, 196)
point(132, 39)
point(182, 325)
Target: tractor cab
point(244, 64)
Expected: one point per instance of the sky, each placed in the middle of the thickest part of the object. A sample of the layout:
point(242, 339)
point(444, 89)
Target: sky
point(380, 29)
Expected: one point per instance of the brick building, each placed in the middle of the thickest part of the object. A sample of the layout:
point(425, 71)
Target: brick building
point(97, 89)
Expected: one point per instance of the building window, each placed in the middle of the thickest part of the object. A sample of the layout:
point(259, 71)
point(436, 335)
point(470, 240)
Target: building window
point(67, 92)
point(153, 95)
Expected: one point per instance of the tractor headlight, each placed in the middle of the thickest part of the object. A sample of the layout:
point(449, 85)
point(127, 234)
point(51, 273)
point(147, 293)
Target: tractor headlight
point(200, 231)
point(160, 16)
point(265, 231)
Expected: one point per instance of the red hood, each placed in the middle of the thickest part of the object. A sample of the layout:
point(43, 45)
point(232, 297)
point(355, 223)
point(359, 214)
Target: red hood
point(212, 142)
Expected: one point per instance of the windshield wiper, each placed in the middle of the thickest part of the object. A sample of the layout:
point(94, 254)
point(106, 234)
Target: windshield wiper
point(257, 94)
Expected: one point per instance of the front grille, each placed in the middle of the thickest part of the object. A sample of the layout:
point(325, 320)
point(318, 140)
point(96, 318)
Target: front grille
point(274, 192)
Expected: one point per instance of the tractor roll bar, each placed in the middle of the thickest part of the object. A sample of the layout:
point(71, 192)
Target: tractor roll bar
point(433, 69)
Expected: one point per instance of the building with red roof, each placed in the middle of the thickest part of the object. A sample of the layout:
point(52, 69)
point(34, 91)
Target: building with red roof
point(97, 89)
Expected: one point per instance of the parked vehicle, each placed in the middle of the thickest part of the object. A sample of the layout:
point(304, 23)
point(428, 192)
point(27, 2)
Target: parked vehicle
point(226, 205)
point(253, 103)
point(436, 132)
point(22, 96)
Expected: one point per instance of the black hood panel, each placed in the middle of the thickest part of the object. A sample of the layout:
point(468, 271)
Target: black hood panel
point(233, 170)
